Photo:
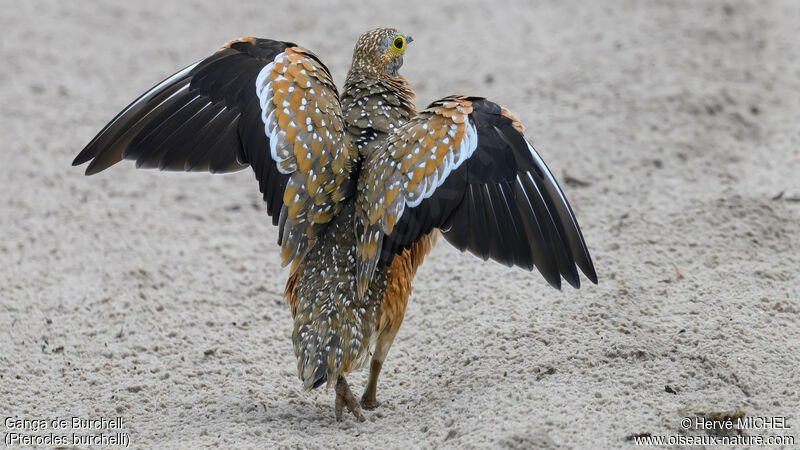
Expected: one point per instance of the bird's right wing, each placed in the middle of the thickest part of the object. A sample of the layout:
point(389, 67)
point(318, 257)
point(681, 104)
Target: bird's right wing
point(268, 104)
point(463, 166)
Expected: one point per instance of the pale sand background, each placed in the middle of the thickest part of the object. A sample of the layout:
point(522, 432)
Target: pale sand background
point(158, 297)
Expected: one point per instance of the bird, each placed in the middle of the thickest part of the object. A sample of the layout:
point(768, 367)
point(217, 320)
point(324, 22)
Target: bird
point(360, 185)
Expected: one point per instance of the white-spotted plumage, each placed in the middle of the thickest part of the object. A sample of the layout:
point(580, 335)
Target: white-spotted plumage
point(409, 168)
point(285, 88)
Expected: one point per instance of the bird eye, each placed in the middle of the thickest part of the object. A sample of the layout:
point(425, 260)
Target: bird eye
point(399, 44)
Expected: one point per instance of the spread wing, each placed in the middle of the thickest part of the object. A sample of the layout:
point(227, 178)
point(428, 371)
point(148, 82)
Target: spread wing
point(463, 166)
point(258, 102)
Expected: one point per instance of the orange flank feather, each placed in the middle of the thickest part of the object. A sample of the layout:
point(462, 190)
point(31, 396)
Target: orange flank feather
point(395, 298)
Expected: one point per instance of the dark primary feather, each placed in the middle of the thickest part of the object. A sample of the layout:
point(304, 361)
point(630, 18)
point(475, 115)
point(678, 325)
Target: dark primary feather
point(501, 203)
point(205, 117)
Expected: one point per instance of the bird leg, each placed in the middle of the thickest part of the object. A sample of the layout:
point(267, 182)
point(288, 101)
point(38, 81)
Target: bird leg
point(384, 343)
point(346, 398)
point(369, 400)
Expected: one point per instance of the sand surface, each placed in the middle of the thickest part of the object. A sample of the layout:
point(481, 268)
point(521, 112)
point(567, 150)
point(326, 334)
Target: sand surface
point(673, 127)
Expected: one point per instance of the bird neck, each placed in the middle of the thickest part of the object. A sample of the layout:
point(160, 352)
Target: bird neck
point(374, 106)
point(358, 77)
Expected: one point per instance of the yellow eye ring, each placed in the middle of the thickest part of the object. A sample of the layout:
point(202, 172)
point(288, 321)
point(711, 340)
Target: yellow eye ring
point(399, 44)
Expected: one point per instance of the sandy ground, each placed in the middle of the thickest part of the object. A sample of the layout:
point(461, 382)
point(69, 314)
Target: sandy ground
point(155, 297)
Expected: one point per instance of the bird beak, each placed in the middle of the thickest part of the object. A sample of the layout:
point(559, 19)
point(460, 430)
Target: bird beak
point(409, 39)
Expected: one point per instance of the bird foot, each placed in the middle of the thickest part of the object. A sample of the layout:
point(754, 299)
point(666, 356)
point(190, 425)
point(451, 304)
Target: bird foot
point(345, 398)
point(369, 403)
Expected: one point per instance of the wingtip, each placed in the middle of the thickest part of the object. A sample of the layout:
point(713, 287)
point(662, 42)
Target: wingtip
point(588, 270)
point(555, 282)
point(93, 169)
point(82, 158)
point(574, 282)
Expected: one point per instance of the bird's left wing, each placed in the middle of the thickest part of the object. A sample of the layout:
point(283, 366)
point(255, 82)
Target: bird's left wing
point(463, 166)
point(268, 104)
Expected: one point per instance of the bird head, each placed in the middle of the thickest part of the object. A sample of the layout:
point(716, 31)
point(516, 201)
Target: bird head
point(380, 51)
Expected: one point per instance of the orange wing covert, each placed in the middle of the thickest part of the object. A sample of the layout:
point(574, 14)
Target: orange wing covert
point(303, 119)
point(463, 166)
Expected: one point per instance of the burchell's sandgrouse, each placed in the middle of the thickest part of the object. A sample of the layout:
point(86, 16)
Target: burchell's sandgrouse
point(359, 184)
